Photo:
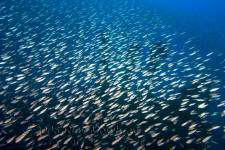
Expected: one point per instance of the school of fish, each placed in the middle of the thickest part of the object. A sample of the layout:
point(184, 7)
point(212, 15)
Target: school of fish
point(82, 74)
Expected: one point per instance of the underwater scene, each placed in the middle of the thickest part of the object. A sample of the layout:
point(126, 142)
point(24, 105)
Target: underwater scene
point(112, 75)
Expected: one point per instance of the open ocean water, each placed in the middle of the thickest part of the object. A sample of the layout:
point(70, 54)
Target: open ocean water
point(102, 75)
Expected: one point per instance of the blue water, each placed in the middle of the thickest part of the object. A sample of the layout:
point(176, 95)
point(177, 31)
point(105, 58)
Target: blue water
point(205, 21)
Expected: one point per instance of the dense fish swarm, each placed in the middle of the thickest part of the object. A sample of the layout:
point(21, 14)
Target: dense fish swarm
point(94, 74)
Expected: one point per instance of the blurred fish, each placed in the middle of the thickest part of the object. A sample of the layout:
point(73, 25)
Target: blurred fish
point(74, 76)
